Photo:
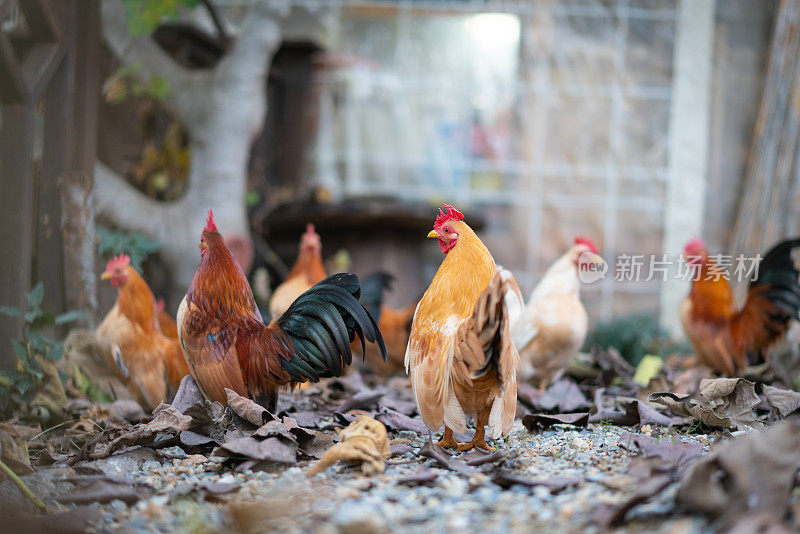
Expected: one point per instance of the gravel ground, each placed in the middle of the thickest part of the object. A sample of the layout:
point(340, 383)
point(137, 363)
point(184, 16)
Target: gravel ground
point(591, 463)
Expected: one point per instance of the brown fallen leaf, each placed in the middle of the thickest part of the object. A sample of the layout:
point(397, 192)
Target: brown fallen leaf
point(363, 442)
point(563, 396)
point(719, 402)
point(750, 475)
point(431, 450)
point(784, 400)
point(536, 421)
point(166, 419)
point(677, 453)
point(248, 410)
point(397, 421)
point(505, 480)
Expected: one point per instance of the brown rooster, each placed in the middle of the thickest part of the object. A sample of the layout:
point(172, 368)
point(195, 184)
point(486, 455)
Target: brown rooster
point(228, 345)
point(725, 338)
point(130, 340)
point(307, 271)
point(460, 356)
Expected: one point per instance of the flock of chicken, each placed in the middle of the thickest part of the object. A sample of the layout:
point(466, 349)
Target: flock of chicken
point(464, 345)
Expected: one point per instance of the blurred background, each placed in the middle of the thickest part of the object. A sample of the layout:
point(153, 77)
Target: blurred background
point(638, 123)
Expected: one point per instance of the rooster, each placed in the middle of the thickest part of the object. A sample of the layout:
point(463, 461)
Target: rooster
point(395, 325)
point(307, 271)
point(552, 327)
point(228, 345)
point(726, 339)
point(460, 356)
point(130, 341)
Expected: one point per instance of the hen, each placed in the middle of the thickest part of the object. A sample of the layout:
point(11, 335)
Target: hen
point(307, 271)
point(460, 356)
point(552, 326)
point(725, 338)
point(130, 340)
point(228, 345)
point(175, 363)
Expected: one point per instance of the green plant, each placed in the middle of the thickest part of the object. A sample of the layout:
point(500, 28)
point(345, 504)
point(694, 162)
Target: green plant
point(35, 380)
point(137, 246)
point(634, 336)
point(144, 16)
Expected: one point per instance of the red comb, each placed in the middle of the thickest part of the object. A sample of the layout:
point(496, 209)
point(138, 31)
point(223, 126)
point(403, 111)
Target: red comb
point(451, 214)
point(211, 226)
point(310, 228)
point(121, 259)
point(588, 241)
point(160, 304)
point(694, 245)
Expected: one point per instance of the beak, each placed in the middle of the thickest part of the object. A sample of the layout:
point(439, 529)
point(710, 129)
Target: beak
point(433, 233)
point(105, 276)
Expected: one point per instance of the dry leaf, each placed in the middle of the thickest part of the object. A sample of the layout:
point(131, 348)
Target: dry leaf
point(752, 474)
point(720, 402)
point(247, 409)
point(363, 442)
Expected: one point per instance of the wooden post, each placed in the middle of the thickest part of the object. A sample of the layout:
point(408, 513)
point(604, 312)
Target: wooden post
point(77, 208)
point(16, 218)
point(688, 145)
point(770, 204)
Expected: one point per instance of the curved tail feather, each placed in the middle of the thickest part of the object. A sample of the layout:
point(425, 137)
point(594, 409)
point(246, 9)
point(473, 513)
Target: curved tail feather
point(321, 323)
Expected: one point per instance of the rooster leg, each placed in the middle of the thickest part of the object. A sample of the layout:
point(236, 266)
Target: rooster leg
point(268, 401)
point(448, 440)
point(478, 440)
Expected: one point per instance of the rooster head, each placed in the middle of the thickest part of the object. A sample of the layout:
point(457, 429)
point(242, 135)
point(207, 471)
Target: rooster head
point(310, 240)
point(209, 233)
point(581, 246)
point(446, 227)
point(695, 252)
point(117, 270)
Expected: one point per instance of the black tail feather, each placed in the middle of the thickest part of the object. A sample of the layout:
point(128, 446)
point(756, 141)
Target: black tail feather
point(780, 277)
point(321, 323)
point(372, 290)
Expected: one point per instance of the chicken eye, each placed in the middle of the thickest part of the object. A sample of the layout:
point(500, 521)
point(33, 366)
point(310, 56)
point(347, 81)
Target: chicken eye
point(447, 230)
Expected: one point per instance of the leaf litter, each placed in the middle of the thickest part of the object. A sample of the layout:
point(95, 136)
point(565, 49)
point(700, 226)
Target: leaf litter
point(246, 440)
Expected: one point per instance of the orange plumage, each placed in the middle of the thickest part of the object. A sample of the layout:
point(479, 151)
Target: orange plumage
point(130, 340)
point(307, 271)
point(228, 345)
point(460, 356)
point(725, 338)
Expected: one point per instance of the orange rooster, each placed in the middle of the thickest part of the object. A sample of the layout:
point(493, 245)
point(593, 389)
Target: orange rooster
point(228, 345)
point(130, 341)
point(307, 271)
point(726, 339)
point(460, 356)
point(552, 327)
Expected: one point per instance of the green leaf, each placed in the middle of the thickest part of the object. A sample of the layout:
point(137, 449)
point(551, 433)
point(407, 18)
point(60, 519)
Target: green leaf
point(144, 16)
point(68, 317)
point(56, 352)
point(36, 295)
point(37, 341)
point(11, 311)
point(19, 348)
point(44, 318)
point(251, 198)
